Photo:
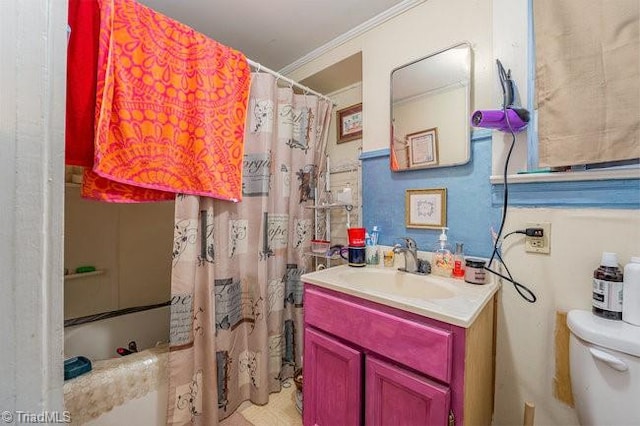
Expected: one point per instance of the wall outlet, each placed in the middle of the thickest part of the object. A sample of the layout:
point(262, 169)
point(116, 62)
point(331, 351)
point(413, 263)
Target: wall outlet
point(539, 244)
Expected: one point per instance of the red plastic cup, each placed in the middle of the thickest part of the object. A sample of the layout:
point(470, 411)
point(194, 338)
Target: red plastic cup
point(356, 237)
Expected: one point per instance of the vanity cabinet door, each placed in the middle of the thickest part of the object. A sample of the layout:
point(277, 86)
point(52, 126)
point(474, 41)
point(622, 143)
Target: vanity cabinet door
point(395, 396)
point(332, 381)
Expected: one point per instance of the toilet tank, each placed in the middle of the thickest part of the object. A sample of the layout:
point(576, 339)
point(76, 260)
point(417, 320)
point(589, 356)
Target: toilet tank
point(605, 369)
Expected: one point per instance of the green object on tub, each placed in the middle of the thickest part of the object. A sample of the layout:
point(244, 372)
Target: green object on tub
point(84, 269)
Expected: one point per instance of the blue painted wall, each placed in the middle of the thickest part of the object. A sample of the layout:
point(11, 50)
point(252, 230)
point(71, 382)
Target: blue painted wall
point(470, 214)
point(474, 205)
point(610, 194)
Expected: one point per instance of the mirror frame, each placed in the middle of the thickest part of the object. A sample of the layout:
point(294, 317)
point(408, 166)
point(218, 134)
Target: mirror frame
point(467, 109)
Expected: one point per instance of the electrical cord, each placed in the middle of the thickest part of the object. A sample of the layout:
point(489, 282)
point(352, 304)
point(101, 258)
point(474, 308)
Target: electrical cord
point(505, 199)
point(505, 79)
point(513, 232)
point(520, 288)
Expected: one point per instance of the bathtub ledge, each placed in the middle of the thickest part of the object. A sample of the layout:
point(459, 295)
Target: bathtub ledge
point(112, 382)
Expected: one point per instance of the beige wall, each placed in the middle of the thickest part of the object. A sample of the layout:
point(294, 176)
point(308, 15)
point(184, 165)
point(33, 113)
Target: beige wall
point(347, 151)
point(561, 280)
point(131, 242)
point(425, 29)
point(345, 156)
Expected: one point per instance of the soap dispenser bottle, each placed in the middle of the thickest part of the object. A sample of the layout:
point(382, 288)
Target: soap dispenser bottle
point(442, 257)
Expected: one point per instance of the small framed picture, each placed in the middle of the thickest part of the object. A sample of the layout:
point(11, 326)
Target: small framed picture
point(349, 123)
point(426, 208)
point(423, 148)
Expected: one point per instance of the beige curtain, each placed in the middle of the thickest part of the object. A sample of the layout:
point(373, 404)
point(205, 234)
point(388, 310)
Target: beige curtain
point(236, 313)
point(587, 80)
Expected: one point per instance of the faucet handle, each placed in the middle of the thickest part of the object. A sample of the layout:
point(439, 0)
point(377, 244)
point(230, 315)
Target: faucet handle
point(410, 243)
point(424, 267)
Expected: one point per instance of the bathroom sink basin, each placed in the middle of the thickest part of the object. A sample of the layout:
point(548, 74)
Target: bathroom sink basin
point(446, 299)
point(402, 284)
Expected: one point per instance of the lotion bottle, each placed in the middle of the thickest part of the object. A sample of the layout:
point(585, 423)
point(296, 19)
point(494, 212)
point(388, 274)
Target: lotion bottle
point(442, 257)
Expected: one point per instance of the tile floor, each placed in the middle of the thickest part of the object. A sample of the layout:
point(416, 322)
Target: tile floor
point(280, 411)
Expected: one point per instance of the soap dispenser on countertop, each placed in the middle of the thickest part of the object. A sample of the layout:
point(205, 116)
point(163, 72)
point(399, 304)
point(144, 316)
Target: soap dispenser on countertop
point(442, 257)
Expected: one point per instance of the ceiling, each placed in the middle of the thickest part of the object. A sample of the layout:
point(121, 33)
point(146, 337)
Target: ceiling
point(276, 33)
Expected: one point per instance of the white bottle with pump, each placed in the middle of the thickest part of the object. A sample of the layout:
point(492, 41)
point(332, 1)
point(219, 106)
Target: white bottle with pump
point(631, 292)
point(442, 257)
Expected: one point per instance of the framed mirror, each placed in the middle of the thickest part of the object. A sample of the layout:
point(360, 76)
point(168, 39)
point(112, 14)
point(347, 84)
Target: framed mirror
point(430, 107)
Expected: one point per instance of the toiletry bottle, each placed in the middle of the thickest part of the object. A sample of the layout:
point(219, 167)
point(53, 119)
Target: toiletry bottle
point(607, 288)
point(458, 262)
point(372, 255)
point(631, 292)
point(375, 235)
point(442, 257)
point(371, 248)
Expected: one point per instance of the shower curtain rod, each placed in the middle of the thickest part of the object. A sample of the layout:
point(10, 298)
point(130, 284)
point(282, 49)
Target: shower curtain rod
point(259, 67)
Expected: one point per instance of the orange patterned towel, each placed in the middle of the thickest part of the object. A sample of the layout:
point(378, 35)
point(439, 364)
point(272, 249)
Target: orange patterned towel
point(170, 113)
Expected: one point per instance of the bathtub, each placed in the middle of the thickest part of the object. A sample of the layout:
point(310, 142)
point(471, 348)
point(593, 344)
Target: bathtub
point(128, 389)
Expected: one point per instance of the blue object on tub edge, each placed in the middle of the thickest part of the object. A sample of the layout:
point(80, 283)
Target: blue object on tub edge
point(74, 367)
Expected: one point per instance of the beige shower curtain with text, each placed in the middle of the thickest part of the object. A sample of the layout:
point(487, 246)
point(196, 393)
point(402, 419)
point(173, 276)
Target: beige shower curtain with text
point(236, 311)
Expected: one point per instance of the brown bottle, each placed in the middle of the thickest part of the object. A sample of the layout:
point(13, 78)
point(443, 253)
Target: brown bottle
point(607, 288)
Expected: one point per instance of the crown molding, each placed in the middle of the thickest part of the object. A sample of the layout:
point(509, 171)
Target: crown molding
point(351, 34)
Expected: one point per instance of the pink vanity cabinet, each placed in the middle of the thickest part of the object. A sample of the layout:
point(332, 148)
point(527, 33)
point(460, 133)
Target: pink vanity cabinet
point(366, 363)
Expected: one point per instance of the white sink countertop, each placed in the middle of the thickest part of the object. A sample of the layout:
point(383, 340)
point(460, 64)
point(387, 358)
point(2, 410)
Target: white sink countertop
point(445, 299)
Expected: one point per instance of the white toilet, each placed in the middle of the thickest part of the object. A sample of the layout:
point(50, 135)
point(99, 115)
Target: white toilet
point(605, 370)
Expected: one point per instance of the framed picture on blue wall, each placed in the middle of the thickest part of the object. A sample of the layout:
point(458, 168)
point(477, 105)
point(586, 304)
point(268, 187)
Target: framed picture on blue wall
point(426, 208)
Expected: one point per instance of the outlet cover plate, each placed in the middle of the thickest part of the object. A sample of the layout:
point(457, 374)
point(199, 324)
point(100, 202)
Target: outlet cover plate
point(539, 244)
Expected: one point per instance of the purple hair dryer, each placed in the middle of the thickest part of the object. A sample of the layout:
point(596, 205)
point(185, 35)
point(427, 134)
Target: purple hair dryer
point(515, 119)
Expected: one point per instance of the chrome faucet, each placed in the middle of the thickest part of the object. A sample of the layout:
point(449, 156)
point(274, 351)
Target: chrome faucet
point(411, 262)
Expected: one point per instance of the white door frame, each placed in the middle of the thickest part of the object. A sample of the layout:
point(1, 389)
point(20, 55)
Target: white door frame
point(32, 114)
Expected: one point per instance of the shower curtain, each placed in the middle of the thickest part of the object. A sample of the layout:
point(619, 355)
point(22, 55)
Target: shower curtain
point(236, 308)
